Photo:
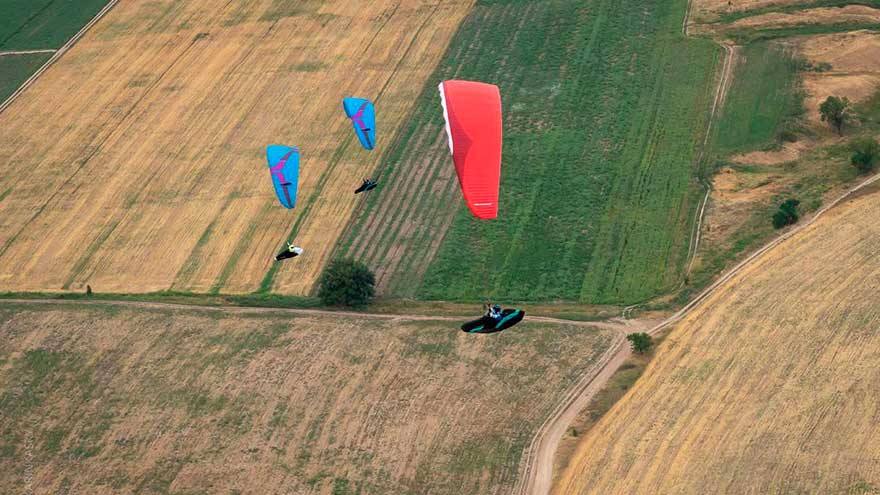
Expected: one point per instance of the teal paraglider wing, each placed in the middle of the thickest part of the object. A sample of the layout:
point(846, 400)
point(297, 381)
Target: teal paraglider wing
point(363, 117)
point(284, 170)
point(486, 324)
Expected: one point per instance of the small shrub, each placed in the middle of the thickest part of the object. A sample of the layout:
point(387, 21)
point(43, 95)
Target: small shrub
point(787, 214)
point(346, 282)
point(787, 136)
point(640, 342)
point(866, 153)
point(837, 112)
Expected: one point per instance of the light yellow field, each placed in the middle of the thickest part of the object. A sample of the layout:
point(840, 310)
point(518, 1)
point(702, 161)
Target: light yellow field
point(103, 399)
point(770, 386)
point(136, 163)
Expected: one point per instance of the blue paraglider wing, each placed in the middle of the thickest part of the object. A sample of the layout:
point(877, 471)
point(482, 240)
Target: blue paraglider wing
point(284, 170)
point(363, 118)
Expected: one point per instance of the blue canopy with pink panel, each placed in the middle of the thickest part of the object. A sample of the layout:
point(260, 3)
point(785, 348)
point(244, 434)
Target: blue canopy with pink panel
point(284, 169)
point(363, 118)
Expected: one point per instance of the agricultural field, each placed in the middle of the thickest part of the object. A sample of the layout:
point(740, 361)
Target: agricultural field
point(27, 25)
point(761, 102)
point(15, 69)
point(602, 125)
point(113, 399)
point(770, 144)
point(146, 169)
point(769, 386)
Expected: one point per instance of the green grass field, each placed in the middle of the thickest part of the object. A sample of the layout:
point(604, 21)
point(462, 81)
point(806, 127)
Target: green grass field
point(15, 69)
point(764, 98)
point(43, 24)
point(605, 103)
point(37, 25)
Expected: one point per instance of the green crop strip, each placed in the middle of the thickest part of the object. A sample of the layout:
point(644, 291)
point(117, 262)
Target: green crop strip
point(760, 103)
point(16, 69)
point(603, 119)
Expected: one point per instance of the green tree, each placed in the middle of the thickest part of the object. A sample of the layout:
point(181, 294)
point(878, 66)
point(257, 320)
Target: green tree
point(346, 282)
point(866, 153)
point(640, 342)
point(787, 213)
point(836, 111)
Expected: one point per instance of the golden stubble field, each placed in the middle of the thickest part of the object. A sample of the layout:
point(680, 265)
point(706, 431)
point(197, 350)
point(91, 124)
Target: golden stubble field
point(136, 163)
point(770, 386)
point(103, 399)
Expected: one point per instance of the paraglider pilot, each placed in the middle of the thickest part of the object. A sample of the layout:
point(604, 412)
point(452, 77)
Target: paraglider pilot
point(290, 252)
point(492, 310)
point(367, 185)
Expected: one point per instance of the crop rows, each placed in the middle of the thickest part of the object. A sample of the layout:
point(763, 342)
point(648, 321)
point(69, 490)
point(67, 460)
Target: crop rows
point(602, 120)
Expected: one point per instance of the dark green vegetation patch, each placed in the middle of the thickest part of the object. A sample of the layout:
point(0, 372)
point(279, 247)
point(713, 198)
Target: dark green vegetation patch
point(15, 69)
point(43, 24)
point(605, 105)
point(37, 25)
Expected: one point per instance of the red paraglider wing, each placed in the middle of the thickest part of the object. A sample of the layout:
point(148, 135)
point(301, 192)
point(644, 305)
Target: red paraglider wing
point(473, 123)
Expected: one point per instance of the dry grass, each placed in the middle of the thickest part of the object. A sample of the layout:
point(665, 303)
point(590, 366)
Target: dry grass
point(854, 58)
point(710, 10)
point(770, 386)
point(103, 399)
point(136, 162)
point(828, 15)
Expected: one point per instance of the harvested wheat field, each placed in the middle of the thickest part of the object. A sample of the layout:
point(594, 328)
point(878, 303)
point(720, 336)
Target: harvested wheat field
point(108, 399)
point(770, 386)
point(136, 163)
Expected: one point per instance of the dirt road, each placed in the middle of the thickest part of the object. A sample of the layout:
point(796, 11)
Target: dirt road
point(613, 324)
point(537, 472)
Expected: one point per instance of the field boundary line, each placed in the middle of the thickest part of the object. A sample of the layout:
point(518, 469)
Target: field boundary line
point(720, 96)
point(58, 53)
point(26, 52)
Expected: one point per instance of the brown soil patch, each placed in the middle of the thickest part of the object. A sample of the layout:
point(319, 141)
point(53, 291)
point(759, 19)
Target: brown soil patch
point(855, 68)
point(853, 52)
point(787, 153)
point(819, 87)
point(148, 149)
point(105, 399)
point(735, 196)
point(769, 386)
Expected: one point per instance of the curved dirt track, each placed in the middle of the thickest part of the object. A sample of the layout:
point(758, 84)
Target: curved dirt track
point(537, 475)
